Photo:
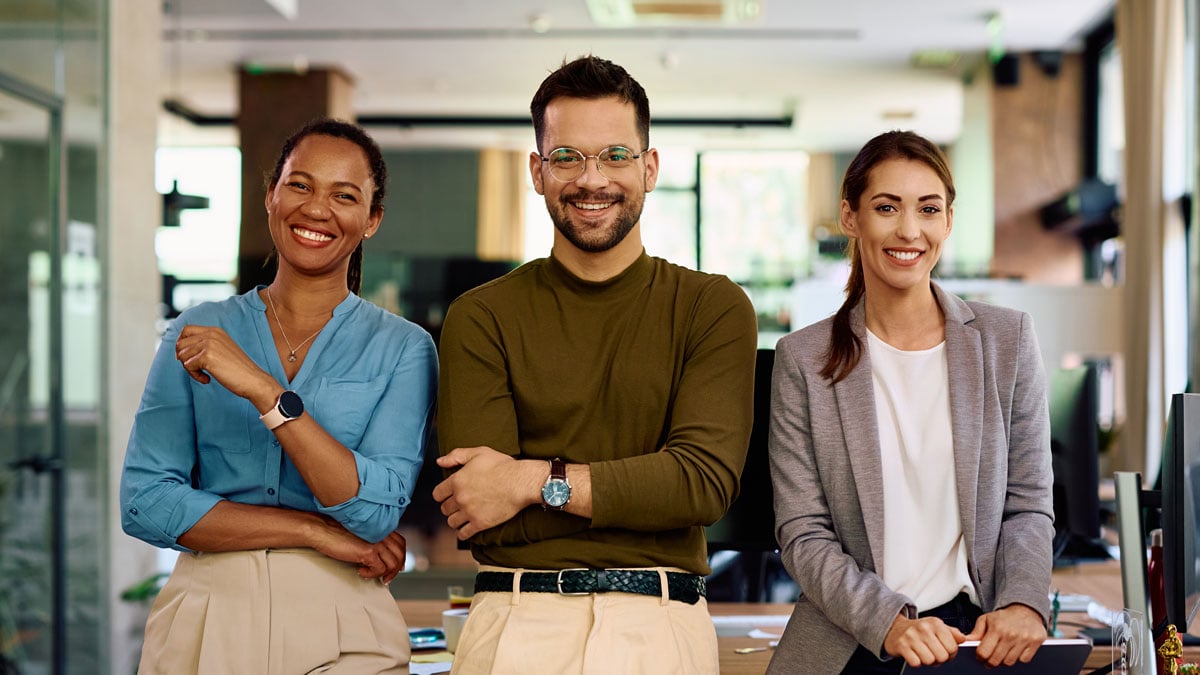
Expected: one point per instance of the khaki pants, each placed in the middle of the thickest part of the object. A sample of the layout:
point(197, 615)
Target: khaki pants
point(599, 634)
point(272, 612)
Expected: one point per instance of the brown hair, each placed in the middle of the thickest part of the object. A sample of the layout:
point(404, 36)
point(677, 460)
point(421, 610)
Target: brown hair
point(590, 77)
point(326, 126)
point(845, 348)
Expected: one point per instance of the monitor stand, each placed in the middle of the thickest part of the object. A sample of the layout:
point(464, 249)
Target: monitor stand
point(1071, 548)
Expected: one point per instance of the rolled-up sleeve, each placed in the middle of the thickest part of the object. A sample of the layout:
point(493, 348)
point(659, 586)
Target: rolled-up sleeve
point(393, 445)
point(158, 500)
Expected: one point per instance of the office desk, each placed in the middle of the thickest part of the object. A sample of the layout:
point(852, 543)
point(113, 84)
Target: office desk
point(1102, 581)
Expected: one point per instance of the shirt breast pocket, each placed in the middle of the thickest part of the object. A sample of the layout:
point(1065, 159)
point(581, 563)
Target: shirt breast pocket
point(344, 407)
point(222, 420)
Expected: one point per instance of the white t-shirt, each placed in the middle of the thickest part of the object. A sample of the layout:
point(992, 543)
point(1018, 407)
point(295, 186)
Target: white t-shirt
point(924, 553)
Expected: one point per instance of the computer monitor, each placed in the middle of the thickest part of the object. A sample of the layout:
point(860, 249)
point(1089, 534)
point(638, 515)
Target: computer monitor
point(1180, 502)
point(749, 525)
point(1074, 447)
point(1131, 635)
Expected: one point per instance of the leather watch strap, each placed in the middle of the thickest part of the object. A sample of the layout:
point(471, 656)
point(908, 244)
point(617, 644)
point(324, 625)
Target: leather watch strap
point(558, 469)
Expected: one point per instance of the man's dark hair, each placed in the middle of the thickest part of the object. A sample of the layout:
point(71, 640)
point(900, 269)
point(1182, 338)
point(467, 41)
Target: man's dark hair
point(590, 77)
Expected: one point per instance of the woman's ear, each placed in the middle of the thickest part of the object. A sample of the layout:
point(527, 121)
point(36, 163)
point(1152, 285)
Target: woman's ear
point(849, 220)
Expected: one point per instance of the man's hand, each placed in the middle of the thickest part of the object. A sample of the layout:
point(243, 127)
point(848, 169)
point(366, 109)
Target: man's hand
point(922, 642)
point(487, 489)
point(382, 560)
point(1008, 635)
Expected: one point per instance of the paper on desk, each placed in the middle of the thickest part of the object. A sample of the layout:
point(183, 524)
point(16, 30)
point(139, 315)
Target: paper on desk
point(762, 634)
point(430, 663)
point(752, 620)
point(739, 626)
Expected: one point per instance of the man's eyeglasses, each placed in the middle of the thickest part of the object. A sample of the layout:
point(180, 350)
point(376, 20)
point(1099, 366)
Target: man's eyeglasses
point(568, 164)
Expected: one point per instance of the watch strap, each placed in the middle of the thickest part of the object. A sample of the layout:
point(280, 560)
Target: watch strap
point(275, 417)
point(558, 469)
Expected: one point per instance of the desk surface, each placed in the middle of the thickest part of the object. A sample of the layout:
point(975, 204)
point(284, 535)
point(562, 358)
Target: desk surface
point(1102, 581)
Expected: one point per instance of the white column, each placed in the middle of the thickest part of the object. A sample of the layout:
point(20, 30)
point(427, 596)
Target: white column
point(132, 213)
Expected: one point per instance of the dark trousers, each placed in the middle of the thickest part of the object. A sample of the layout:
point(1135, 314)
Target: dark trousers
point(958, 613)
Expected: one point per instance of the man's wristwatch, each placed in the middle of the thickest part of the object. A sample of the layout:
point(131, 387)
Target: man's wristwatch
point(556, 491)
point(287, 408)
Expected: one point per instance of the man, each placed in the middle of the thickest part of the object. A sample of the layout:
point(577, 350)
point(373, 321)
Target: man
point(594, 413)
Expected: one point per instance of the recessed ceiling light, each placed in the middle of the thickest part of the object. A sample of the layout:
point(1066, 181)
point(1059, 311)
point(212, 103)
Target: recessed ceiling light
point(935, 58)
point(539, 22)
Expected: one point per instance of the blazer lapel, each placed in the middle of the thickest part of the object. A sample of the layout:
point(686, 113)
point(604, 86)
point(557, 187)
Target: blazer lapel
point(856, 408)
point(964, 359)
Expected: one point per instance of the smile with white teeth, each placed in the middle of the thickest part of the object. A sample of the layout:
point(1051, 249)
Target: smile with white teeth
point(903, 255)
point(591, 206)
point(310, 235)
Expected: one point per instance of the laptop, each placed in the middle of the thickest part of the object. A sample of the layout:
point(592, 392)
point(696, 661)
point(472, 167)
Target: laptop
point(1055, 657)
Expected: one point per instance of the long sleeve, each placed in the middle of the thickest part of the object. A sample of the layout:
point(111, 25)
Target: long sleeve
point(814, 551)
point(646, 377)
point(476, 408)
point(369, 380)
point(694, 478)
point(158, 500)
point(389, 456)
point(1023, 552)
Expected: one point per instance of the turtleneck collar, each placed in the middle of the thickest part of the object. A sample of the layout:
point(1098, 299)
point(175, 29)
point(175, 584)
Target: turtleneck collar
point(636, 276)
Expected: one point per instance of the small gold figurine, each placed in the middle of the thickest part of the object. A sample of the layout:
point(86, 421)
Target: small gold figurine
point(1171, 650)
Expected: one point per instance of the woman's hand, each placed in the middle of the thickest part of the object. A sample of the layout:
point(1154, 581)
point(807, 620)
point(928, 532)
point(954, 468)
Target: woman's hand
point(1008, 635)
point(922, 642)
point(208, 352)
point(382, 560)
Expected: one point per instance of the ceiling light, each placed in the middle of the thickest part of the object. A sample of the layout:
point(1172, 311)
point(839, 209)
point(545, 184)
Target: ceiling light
point(935, 58)
point(631, 12)
point(539, 22)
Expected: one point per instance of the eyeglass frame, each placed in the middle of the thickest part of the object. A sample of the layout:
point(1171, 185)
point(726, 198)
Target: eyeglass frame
point(583, 164)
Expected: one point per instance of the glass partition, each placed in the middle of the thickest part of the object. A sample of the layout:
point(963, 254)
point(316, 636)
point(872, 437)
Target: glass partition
point(31, 420)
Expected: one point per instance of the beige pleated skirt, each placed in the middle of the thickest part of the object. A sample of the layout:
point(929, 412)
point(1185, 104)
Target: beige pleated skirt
point(273, 612)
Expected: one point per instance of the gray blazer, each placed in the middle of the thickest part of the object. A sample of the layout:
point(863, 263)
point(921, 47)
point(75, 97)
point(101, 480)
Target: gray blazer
point(825, 469)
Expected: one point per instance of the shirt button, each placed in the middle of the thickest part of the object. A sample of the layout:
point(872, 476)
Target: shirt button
point(133, 512)
point(275, 442)
point(270, 491)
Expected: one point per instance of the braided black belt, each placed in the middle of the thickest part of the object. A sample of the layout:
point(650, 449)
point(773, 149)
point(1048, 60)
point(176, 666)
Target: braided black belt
point(683, 587)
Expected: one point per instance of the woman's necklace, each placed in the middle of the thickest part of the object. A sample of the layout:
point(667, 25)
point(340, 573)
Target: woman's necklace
point(292, 350)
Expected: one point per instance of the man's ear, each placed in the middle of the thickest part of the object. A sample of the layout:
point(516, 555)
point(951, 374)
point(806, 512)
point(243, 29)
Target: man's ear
point(651, 159)
point(535, 172)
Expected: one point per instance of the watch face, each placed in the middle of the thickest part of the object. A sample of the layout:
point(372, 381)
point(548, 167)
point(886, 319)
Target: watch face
point(290, 405)
point(556, 493)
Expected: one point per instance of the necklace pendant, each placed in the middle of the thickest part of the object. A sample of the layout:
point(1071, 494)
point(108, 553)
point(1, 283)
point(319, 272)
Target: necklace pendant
point(292, 357)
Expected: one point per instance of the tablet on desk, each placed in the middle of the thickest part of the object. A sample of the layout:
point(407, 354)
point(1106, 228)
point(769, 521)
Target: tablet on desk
point(1057, 656)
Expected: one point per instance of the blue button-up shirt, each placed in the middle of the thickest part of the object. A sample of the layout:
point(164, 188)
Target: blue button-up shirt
point(369, 379)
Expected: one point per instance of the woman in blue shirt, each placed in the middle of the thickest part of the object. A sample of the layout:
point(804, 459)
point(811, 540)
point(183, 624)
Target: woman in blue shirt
point(278, 442)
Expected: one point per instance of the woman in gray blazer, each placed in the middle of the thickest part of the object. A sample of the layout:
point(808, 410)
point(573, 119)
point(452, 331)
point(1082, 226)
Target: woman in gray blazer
point(910, 449)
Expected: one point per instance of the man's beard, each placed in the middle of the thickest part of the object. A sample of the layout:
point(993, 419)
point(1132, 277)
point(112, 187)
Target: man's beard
point(593, 240)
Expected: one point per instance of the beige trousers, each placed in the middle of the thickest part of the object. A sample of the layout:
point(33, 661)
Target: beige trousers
point(272, 612)
point(600, 634)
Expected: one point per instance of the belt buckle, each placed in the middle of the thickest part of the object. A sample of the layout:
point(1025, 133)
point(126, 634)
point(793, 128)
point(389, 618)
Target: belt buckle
point(558, 581)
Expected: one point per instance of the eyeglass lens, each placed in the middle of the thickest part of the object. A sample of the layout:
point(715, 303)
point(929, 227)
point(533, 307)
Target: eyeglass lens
point(569, 163)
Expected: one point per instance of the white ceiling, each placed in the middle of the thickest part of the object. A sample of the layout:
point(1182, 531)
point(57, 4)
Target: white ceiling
point(839, 68)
